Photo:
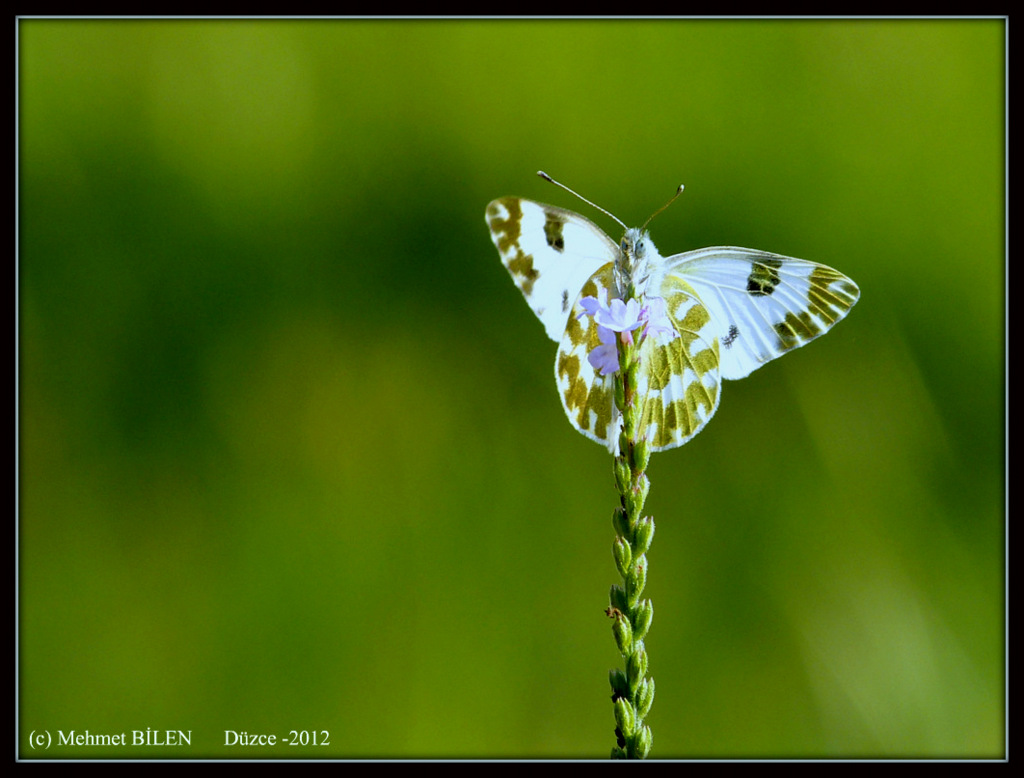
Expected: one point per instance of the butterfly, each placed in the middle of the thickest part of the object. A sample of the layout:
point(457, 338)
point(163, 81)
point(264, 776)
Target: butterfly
point(728, 311)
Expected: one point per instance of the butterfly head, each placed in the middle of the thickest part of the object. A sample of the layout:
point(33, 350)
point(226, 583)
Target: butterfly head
point(637, 255)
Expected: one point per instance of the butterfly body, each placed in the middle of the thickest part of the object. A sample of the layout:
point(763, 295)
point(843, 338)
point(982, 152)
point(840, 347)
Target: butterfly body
point(731, 309)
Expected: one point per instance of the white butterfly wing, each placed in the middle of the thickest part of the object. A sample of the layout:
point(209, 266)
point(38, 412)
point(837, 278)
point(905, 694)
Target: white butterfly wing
point(762, 304)
point(550, 253)
point(679, 378)
point(587, 396)
point(677, 382)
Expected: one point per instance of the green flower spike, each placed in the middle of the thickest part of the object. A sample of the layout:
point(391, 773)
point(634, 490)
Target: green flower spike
point(632, 690)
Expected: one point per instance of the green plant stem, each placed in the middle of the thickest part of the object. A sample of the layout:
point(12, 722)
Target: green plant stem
point(632, 689)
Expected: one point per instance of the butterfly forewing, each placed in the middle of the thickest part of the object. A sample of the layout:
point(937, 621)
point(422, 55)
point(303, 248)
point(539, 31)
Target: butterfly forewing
point(550, 253)
point(762, 304)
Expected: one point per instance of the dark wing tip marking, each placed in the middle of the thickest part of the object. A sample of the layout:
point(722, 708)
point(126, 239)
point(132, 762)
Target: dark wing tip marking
point(553, 224)
point(764, 276)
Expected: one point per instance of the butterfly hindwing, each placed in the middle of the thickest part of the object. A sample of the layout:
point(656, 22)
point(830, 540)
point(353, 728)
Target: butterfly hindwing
point(679, 377)
point(677, 383)
point(587, 396)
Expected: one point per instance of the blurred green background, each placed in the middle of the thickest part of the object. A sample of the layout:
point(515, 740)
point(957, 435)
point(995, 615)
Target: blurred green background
point(291, 454)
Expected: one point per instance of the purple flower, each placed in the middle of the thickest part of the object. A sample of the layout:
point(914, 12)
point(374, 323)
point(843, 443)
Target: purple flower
point(619, 316)
point(656, 320)
point(623, 316)
point(590, 305)
point(605, 358)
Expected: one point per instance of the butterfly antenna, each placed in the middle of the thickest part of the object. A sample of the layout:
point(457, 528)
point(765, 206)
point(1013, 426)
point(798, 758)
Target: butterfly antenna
point(679, 191)
point(546, 177)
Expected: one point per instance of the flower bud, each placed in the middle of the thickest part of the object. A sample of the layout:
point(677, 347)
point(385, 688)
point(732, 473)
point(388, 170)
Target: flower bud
point(634, 502)
point(617, 679)
point(617, 598)
point(620, 522)
point(624, 439)
point(643, 535)
point(644, 697)
point(641, 454)
point(643, 486)
point(623, 555)
point(636, 668)
point(620, 394)
point(642, 617)
point(643, 743)
point(624, 716)
point(636, 580)
point(623, 633)
point(623, 476)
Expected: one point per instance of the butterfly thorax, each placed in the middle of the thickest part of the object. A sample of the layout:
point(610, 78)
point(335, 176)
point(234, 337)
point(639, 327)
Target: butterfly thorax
point(637, 258)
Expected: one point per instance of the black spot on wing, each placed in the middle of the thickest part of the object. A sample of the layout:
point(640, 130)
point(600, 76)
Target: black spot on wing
point(764, 276)
point(553, 224)
point(730, 338)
